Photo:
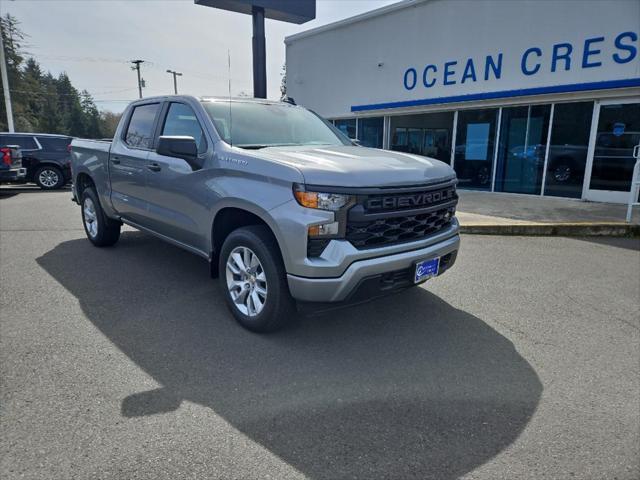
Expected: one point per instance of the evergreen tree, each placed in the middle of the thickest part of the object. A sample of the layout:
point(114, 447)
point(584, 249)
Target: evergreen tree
point(42, 103)
point(93, 129)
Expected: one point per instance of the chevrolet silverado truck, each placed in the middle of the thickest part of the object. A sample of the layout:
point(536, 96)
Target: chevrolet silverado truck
point(284, 207)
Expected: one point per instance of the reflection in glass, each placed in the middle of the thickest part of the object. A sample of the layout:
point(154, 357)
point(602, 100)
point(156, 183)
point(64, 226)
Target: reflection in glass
point(475, 140)
point(425, 134)
point(618, 133)
point(370, 131)
point(568, 149)
point(523, 142)
point(347, 126)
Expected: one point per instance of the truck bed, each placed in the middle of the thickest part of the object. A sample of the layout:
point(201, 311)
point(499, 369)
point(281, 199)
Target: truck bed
point(92, 156)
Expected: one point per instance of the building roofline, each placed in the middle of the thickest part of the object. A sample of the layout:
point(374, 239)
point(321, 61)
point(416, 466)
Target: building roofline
point(355, 19)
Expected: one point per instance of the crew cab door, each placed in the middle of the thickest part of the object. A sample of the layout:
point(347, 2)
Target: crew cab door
point(128, 162)
point(175, 207)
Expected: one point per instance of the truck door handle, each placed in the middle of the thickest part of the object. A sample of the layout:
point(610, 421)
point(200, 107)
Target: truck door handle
point(115, 160)
point(154, 167)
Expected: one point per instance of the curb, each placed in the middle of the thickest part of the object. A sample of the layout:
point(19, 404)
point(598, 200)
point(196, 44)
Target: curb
point(555, 229)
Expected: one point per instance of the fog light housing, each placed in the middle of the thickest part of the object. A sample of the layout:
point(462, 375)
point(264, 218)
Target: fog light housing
point(326, 229)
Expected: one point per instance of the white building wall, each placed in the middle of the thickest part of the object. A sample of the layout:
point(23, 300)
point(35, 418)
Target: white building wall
point(364, 61)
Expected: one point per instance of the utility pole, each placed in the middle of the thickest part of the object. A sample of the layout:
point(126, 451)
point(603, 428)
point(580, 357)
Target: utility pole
point(5, 86)
point(175, 82)
point(137, 67)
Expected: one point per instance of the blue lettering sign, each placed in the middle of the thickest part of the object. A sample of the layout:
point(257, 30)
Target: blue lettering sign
point(495, 68)
point(525, 56)
point(566, 56)
point(424, 76)
point(410, 83)
point(469, 71)
point(556, 58)
point(633, 51)
point(448, 73)
point(589, 52)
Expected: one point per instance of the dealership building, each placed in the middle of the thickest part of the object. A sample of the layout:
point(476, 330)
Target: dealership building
point(530, 97)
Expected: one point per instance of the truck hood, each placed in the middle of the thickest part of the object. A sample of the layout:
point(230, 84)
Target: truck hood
point(352, 166)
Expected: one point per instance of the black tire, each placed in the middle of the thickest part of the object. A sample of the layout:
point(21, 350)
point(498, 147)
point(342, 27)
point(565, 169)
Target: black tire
point(107, 231)
point(49, 177)
point(278, 307)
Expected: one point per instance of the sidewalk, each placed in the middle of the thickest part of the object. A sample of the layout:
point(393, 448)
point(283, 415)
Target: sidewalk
point(510, 214)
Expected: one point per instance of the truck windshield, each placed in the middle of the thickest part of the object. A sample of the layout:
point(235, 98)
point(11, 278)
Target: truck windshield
point(259, 125)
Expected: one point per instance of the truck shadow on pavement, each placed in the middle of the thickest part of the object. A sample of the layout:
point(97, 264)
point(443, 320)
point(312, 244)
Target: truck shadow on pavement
point(402, 387)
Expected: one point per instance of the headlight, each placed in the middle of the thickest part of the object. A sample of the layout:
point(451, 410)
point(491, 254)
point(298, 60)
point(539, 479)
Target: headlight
point(320, 200)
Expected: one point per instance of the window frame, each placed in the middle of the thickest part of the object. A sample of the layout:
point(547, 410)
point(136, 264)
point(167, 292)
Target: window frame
point(154, 126)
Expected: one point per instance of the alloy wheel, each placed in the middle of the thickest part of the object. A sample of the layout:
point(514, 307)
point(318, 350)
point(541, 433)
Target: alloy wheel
point(49, 178)
point(246, 281)
point(90, 217)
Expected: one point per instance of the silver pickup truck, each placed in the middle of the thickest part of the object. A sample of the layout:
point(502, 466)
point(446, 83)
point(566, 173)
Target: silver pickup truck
point(280, 202)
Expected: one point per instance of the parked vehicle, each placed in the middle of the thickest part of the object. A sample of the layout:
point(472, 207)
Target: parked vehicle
point(280, 202)
point(46, 157)
point(11, 169)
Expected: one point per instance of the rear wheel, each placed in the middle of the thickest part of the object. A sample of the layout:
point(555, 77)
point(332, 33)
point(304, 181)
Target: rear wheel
point(100, 230)
point(253, 280)
point(49, 178)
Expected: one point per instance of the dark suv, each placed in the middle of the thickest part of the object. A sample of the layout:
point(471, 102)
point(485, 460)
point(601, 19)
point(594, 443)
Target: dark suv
point(46, 157)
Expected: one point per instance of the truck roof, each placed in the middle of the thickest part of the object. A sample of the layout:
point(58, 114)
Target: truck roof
point(211, 98)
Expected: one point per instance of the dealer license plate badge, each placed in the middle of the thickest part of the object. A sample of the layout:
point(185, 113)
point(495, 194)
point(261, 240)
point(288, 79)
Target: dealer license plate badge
point(426, 269)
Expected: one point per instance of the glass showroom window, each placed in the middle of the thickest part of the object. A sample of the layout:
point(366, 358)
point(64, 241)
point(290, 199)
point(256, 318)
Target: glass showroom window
point(568, 149)
point(618, 133)
point(475, 141)
point(522, 148)
point(370, 131)
point(346, 126)
point(426, 134)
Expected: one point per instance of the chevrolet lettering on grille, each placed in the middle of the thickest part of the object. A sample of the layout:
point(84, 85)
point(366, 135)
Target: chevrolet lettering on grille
point(410, 200)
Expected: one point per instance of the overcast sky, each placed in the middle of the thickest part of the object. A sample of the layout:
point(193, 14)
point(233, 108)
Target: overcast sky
point(93, 41)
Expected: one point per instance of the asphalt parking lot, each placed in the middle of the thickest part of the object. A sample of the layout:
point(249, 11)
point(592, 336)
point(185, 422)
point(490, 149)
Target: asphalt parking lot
point(521, 362)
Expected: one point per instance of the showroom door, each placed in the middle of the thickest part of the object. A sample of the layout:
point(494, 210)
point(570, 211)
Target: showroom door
point(611, 151)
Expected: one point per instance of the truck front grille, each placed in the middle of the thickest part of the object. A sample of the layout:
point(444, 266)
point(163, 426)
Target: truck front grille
point(396, 215)
point(403, 228)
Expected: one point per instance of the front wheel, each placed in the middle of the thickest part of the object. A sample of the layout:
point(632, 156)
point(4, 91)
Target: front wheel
point(49, 178)
point(100, 230)
point(253, 280)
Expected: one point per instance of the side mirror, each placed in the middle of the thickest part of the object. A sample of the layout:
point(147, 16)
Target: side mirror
point(180, 147)
point(356, 142)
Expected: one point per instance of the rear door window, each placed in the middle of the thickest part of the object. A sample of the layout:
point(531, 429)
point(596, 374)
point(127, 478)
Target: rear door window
point(25, 143)
point(140, 129)
point(54, 144)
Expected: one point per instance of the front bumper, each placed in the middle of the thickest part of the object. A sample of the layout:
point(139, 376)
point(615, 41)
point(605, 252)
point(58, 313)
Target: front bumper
point(337, 289)
point(14, 174)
